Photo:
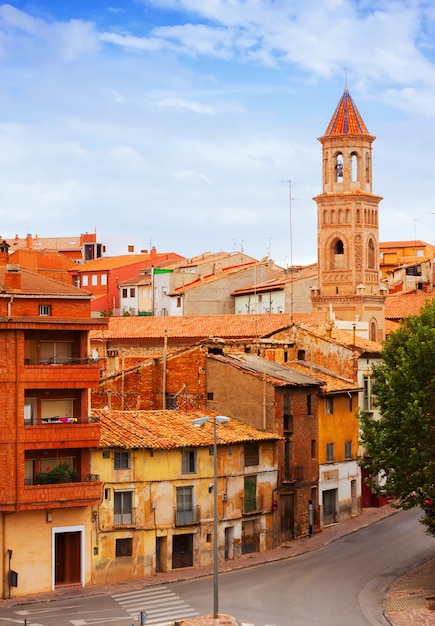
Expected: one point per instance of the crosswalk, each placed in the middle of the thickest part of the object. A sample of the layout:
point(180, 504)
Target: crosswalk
point(162, 606)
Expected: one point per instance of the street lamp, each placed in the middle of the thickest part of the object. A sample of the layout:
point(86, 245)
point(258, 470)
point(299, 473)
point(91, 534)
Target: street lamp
point(199, 421)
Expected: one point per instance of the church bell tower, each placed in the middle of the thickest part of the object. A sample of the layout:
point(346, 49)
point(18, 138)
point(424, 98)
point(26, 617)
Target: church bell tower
point(349, 285)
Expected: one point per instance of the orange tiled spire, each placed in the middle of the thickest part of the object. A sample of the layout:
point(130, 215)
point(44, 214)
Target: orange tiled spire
point(346, 119)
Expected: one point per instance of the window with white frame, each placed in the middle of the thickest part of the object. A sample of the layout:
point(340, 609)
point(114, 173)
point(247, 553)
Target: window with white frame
point(85, 280)
point(103, 279)
point(94, 280)
point(184, 505)
point(45, 310)
point(123, 508)
point(329, 452)
point(369, 399)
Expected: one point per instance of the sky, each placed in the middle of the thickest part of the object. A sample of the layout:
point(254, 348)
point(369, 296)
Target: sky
point(193, 125)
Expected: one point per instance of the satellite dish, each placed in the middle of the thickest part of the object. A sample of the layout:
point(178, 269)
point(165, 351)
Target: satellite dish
point(95, 354)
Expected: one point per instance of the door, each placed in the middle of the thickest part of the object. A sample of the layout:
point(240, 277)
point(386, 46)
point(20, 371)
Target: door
point(67, 558)
point(329, 499)
point(182, 551)
point(229, 543)
point(287, 516)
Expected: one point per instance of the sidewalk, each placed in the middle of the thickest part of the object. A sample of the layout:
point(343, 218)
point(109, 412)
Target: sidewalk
point(405, 603)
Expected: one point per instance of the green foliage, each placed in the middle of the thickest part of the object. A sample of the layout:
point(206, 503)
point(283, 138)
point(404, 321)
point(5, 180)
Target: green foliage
point(401, 445)
point(63, 473)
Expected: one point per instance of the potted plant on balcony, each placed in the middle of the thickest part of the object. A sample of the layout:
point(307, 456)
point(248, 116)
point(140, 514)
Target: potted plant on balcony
point(62, 473)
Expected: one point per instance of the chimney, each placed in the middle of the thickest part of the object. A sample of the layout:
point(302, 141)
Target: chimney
point(131, 248)
point(153, 252)
point(29, 240)
point(4, 252)
point(13, 276)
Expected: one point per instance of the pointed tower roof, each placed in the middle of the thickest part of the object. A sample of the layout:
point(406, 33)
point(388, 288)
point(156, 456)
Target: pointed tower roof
point(346, 119)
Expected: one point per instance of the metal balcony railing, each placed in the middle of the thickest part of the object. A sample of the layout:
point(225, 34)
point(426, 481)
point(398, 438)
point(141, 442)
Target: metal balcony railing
point(252, 504)
point(188, 517)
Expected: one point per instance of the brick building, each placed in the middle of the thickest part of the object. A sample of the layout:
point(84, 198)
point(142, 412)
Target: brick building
point(46, 374)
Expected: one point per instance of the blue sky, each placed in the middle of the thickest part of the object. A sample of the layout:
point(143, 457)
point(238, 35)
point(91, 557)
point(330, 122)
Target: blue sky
point(176, 123)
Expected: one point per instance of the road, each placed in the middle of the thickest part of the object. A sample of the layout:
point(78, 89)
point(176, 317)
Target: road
point(343, 583)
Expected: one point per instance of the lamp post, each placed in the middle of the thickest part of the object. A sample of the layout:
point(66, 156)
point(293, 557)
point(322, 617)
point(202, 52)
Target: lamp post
point(222, 419)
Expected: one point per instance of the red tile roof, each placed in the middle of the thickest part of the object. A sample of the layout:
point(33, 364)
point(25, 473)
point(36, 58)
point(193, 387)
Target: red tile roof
point(346, 119)
point(332, 383)
point(200, 326)
point(168, 430)
point(37, 284)
point(124, 260)
point(401, 304)
point(345, 338)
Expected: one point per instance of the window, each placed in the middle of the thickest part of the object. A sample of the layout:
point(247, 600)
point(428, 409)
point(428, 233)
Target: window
point(178, 303)
point(250, 494)
point(350, 402)
point(329, 452)
point(329, 405)
point(371, 255)
point(301, 355)
point(348, 449)
point(189, 461)
point(124, 293)
point(339, 168)
point(132, 292)
point(309, 405)
point(313, 448)
point(368, 401)
point(121, 460)
point(123, 507)
point(251, 454)
point(184, 513)
point(45, 309)
point(124, 547)
point(94, 279)
point(103, 279)
point(85, 280)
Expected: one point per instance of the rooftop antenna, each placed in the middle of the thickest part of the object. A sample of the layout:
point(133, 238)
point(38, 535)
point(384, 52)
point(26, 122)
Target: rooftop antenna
point(413, 219)
point(289, 183)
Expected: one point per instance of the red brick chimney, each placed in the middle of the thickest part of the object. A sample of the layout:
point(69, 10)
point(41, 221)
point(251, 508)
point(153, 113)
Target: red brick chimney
point(13, 276)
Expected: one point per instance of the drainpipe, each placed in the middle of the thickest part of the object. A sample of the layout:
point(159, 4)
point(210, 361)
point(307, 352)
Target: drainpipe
point(11, 299)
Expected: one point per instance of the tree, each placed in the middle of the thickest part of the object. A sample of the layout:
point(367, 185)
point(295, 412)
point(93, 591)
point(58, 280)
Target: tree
point(401, 445)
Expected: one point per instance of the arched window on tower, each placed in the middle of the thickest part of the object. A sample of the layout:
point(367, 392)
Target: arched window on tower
point(325, 217)
point(373, 332)
point(338, 255)
point(371, 255)
point(367, 167)
point(347, 216)
point(354, 164)
point(339, 168)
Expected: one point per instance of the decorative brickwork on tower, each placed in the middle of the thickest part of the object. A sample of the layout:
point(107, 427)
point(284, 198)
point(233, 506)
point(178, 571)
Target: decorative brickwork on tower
point(347, 220)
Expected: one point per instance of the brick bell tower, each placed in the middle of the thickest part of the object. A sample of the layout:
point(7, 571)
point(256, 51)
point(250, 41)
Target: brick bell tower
point(349, 288)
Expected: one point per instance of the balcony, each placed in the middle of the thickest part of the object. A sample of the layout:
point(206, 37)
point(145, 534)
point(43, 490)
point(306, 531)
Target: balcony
point(125, 519)
point(252, 505)
point(60, 495)
point(54, 433)
point(83, 372)
point(187, 518)
point(293, 474)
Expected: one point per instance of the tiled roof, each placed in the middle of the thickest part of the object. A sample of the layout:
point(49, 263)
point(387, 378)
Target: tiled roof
point(346, 119)
point(275, 373)
point(123, 260)
point(332, 383)
point(200, 326)
point(37, 284)
point(168, 430)
point(405, 244)
point(401, 304)
point(210, 278)
point(345, 338)
point(274, 284)
point(48, 243)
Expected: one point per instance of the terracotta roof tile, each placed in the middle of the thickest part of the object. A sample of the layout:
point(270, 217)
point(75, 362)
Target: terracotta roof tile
point(401, 304)
point(123, 260)
point(38, 284)
point(200, 326)
point(332, 383)
point(346, 119)
point(345, 338)
point(168, 430)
